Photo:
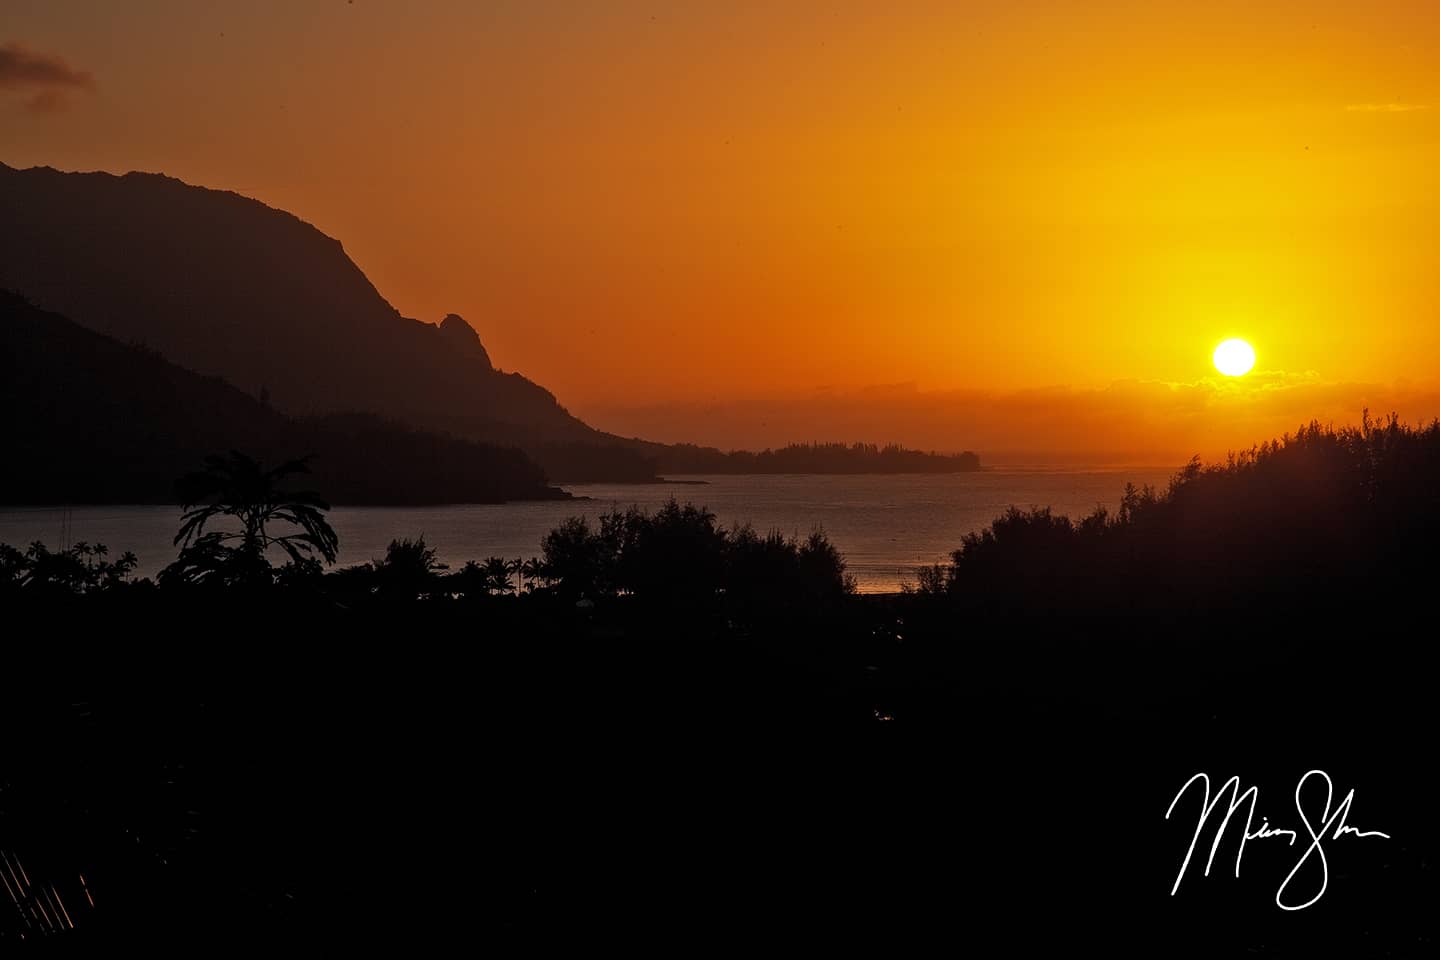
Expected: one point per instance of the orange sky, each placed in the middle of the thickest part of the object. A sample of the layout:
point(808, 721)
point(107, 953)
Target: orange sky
point(683, 221)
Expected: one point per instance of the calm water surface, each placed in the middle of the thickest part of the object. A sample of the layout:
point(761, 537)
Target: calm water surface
point(884, 525)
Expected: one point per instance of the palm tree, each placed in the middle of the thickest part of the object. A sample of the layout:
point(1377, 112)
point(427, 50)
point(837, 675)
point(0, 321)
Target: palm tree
point(517, 567)
point(533, 572)
point(239, 487)
point(497, 574)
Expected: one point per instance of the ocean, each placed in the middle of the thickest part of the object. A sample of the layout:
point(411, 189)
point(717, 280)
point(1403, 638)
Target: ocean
point(885, 525)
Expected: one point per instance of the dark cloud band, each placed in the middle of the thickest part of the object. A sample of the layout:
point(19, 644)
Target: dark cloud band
point(45, 79)
point(22, 69)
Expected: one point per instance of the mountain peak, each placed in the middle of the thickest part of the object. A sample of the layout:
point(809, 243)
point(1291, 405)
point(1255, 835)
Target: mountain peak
point(215, 281)
point(457, 332)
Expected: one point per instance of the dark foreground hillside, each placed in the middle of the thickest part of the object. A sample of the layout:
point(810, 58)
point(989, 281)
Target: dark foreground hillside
point(680, 737)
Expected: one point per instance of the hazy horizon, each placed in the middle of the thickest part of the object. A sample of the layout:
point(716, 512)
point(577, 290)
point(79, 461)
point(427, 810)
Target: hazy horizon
point(1124, 424)
point(746, 227)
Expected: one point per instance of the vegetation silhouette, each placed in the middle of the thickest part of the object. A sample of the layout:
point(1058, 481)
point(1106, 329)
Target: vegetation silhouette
point(1318, 514)
point(710, 722)
point(79, 570)
point(497, 573)
point(680, 557)
point(240, 489)
point(408, 571)
point(824, 458)
point(1298, 517)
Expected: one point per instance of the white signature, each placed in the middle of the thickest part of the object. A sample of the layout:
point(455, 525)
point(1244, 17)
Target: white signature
point(1265, 831)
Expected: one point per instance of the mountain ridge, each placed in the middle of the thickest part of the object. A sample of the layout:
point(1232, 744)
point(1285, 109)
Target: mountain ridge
point(226, 285)
point(87, 419)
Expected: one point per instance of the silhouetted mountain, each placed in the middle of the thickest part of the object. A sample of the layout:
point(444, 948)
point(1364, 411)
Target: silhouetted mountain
point(87, 419)
point(463, 339)
point(229, 287)
point(226, 286)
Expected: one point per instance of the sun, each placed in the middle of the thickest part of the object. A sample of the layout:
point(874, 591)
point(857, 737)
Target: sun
point(1234, 358)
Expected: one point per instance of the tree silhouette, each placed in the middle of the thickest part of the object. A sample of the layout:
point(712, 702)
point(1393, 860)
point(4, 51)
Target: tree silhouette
point(497, 575)
point(577, 560)
point(410, 570)
point(83, 568)
point(681, 558)
point(532, 573)
point(241, 489)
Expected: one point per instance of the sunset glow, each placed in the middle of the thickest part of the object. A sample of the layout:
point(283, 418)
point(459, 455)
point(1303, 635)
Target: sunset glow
point(993, 198)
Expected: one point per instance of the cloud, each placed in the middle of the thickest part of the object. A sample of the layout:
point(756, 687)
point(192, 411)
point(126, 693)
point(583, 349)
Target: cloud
point(45, 80)
point(1386, 107)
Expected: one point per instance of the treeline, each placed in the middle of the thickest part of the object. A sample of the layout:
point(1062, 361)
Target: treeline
point(815, 458)
point(669, 704)
point(240, 516)
point(87, 419)
point(593, 462)
point(675, 558)
point(638, 462)
point(680, 557)
point(1328, 519)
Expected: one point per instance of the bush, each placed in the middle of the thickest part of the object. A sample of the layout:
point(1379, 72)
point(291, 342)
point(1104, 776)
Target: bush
point(1315, 516)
